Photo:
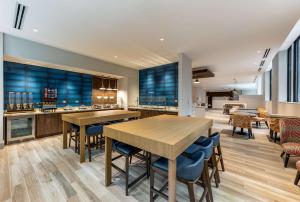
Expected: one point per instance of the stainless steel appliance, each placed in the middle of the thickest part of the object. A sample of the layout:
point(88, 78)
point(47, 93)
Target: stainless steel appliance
point(19, 128)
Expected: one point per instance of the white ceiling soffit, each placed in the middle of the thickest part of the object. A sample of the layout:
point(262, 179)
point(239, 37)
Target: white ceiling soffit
point(293, 35)
point(228, 36)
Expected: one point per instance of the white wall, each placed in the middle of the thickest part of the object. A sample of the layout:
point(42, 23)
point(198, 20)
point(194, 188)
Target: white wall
point(267, 86)
point(252, 101)
point(291, 109)
point(199, 94)
point(184, 85)
point(282, 77)
point(279, 103)
point(21, 48)
point(1, 91)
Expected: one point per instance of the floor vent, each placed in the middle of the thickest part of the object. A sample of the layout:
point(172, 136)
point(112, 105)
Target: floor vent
point(19, 16)
point(267, 51)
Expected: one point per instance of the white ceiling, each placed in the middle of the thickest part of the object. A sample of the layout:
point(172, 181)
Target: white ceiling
point(223, 35)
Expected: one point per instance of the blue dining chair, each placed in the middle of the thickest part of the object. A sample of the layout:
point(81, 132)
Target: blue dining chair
point(209, 160)
point(74, 136)
point(188, 171)
point(128, 152)
point(217, 146)
point(94, 131)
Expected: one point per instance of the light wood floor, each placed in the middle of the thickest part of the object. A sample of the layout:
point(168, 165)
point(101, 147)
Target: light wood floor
point(41, 170)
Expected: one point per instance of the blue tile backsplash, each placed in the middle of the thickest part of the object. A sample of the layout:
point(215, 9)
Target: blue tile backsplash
point(75, 88)
point(159, 85)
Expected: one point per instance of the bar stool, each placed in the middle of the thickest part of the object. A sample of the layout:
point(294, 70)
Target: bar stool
point(188, 171)
point(93, 131)
point(217, 146)
point(74, 137)
point(209, 160)
point(128, 151)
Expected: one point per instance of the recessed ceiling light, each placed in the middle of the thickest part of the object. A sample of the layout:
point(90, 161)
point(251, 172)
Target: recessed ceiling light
point(255, 63)
point(161, 39)
point(196, 81)
point(116, 56)
point(35, 30)
point(258, 51)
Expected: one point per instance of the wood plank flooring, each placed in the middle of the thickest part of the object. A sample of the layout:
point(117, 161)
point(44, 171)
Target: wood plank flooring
point(41, 170)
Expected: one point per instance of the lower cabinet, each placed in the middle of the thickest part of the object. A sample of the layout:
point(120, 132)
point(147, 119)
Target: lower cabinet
point(149, 113)
point(48, 124)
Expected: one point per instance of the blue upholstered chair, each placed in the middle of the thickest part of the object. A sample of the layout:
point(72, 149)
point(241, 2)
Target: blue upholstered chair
point(128, 152)
point(94, 131)
point(209, 160)
point(217, 146)
point(188, 171)
point(74, 135)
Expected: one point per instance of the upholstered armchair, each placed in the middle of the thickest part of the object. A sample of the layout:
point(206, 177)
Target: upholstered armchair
point(242, 121)
point(274, 127)
point(290, 138)
point(261, 117)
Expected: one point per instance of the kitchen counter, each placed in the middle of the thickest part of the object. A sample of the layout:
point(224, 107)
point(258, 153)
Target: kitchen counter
point(46, 123)
point(173, 109)
point(153, 111)
point(58, 111)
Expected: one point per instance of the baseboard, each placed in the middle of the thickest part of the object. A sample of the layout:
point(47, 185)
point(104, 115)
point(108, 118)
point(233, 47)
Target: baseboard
point(1, 144)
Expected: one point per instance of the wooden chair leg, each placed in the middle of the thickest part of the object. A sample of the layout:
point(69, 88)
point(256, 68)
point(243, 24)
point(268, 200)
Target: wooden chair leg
point(209, 182)
point(70, 138)
point(126, 174)
point(76, 144)
point(191, 191)
point(271, 134)
point(205, 180)
point(215, 166)
point(233, 130)
point(151, 185)
point(297, 178)
point(249, 132)
point(97, 141)
point(89, 148)
point(221, 157)
point(281, 155)
point(275, 137)
point(266, 122)
point(286, 160)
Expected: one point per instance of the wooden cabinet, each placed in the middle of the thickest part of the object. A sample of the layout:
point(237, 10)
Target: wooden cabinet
point(145, 113)
point(48, 124)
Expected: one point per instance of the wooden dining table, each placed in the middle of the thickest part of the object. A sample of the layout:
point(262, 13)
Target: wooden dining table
point(281, 116)
point(87, 118)
point(165, 135)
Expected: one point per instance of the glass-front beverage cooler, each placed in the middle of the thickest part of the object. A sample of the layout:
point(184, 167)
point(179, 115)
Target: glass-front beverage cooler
point(20, 128)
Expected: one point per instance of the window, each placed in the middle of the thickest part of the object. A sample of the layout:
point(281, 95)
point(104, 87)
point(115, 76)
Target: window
point(270, 85)
point(289, 73)
point(293, 72)
point(297, 70)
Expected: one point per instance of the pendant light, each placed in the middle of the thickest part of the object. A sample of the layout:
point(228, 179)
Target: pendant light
point(102, 86)
point(109, 88)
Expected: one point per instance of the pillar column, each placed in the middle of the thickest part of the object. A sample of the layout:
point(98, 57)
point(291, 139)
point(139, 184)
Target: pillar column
point(184, 85)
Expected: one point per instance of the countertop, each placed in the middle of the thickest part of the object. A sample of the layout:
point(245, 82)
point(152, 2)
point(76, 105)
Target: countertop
point(173, 109)
point(58, 111)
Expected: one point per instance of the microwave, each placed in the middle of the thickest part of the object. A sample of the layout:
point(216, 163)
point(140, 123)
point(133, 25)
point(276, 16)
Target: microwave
point(20, 128)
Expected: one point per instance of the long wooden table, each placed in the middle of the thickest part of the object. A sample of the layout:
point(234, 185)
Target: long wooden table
point(88, 118)
point(280, 116)
point(165, 135)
